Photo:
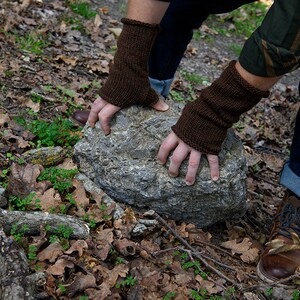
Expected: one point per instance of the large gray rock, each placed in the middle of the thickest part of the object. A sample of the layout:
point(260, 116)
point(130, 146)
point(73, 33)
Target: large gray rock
point(124, 165)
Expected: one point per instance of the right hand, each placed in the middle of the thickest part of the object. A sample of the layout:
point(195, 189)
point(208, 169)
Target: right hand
point(103, 111)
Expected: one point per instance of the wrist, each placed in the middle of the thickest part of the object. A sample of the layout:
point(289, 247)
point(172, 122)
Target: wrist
point(261, 83)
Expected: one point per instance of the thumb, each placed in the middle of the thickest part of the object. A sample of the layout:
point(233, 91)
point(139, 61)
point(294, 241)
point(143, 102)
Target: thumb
point(160, 105)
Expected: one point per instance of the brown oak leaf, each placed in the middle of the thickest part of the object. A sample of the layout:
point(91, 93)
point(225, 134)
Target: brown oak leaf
point(22, 180)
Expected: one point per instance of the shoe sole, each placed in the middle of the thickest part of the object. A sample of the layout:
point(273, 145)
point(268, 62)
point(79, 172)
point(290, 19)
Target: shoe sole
point(263, 275)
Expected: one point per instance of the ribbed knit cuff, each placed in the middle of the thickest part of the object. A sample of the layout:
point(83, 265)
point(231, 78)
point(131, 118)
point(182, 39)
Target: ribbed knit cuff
point(203, 124)
point(128, 82)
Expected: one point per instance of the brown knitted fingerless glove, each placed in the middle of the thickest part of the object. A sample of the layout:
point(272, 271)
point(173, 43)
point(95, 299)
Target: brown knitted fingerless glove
point(203, 124)
point(128, 82)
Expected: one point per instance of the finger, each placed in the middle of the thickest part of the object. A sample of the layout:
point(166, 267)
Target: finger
point(95, 109)
point(193, 166)
point(160, 105)
point(179, 155)
point(166, 147)
point(105, 115)
point(213, 161)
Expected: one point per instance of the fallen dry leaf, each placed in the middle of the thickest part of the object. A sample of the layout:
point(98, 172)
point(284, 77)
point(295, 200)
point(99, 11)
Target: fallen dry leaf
point(80, 197)
point(125, 247)
point(59, 267)
point(67, 60)
point(209, 286)
point(35, 106)
point(51, 252)
point(80, 283)
point(50, 200)
point(78, 246)
point(248, 253)
point(22, 180)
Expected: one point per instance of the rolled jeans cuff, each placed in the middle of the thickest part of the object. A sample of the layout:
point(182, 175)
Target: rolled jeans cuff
point(290, 180)
point(162, 87)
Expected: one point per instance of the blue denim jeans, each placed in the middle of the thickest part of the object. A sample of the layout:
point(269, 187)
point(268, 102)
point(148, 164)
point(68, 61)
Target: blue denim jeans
point(177, 25)
point(290, 176)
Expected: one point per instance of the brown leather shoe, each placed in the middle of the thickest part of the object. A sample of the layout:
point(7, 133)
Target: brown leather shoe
point(281, 257)
point(80, 117)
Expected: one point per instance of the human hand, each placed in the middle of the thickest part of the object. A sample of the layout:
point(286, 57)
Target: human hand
point(181, 151)
point(103, 111)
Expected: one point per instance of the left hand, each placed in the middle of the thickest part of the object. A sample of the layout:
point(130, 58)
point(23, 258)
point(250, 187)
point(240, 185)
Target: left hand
point(181, 151)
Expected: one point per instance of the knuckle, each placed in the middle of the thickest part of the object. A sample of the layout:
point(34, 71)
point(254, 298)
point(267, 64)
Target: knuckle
point(213, 159)
point(176, 159)
point(165, 146)
point(193, 164)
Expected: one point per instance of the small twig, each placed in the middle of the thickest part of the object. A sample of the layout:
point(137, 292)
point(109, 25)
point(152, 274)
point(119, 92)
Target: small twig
point(214, 246)
point(194, 251)
point(4, 108)
point(214, 261)
point(156, 253)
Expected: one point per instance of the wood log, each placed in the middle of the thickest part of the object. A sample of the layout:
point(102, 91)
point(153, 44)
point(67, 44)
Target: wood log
point(33, 221)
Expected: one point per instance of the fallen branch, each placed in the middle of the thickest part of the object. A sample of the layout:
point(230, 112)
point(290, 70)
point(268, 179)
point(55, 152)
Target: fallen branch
point(194, 252)
point(33, 221)
point(16, 282)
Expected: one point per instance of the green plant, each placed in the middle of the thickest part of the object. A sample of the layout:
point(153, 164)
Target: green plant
point(237, 49)
point(18, 203)
point(64, 231)
point(197, 35)
point(61, 179)
point(192, 77)
point(103, 206)
point(17, 233)
point(63, 208)
point(32, 250)
point(89, 219)
point(32, 42)
point(83, 298)
point(71, 199)
point(76, 24)
point(119, 261)
point(4, 177)
point(269, 292)
point(296, 295)
point(8, 73)
point(10, 156)
point(82, 8)
point(199, 295)
point(47, 88)
point(230, 293)
point(59, 132)
point(245, 19)
point(67, 92)
point(177, 96)
point(62, 288)
point(128, 281)
point(53, 239)
point(60, 234)
point(169, 296)
point(36, 98)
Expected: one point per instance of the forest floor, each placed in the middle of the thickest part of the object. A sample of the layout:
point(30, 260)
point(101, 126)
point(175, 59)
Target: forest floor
point(54, 57)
